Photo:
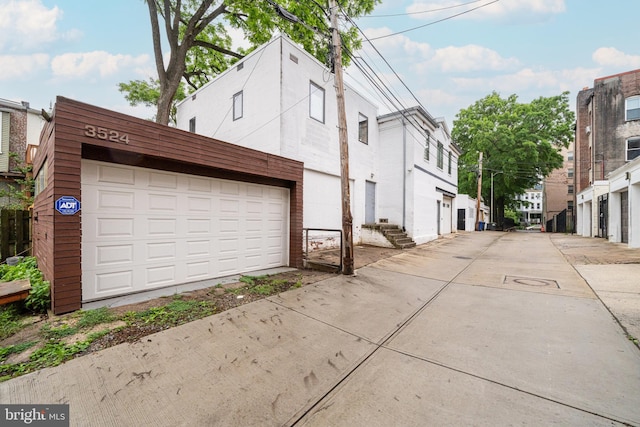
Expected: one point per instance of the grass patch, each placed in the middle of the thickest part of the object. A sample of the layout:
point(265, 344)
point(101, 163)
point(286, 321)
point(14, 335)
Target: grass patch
point(51, 333)
point(264, 285)
point(177, 312)
point(10, 321)
point(14, 349)
point(51, 354)
point(91, 318)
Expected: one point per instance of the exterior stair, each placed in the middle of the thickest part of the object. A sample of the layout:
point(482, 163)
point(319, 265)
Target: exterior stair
point(394, 235)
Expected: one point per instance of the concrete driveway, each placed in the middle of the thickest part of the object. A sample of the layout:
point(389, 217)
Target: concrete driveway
point(483, 329)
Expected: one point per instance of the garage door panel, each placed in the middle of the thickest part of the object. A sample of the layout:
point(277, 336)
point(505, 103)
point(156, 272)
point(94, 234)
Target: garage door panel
point(114, 281)
point(144, 229)
point(162, 180)
point(110, 174)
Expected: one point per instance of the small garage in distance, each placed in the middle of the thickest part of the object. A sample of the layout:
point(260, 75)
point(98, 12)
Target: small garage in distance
point(158, 206)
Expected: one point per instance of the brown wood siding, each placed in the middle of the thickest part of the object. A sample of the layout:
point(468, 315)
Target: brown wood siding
point(64, 143)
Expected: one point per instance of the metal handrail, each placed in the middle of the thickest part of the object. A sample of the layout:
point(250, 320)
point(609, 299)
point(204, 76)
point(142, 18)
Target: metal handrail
point(306, 249)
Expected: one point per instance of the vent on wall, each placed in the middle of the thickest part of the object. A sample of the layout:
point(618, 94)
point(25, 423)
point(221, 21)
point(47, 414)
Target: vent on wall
point(293, 58)
point(587, 130)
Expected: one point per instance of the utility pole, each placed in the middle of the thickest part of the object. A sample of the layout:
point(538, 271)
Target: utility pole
point(479, 190)
point(347, 219)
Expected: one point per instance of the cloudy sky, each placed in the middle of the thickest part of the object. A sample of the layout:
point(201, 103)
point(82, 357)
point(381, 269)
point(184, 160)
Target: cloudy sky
point(449, 53)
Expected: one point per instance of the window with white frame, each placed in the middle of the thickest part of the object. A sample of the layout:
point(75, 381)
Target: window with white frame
point(570, 155)
point(440, 158)
point(316, 102)
point(570, 189)
point(237, 106)
point(363, 128)
point(192, 125)
point(633, 148)
point(570, 173)
point(449, 164)
point(632, 110)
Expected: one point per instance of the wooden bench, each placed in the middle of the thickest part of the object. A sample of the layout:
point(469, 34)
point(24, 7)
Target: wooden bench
point(14, 291)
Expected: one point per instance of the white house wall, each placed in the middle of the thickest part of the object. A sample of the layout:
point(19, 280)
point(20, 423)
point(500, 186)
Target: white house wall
point(275, 83)
point(402, 149)
point(212, 104)
point(626, 178)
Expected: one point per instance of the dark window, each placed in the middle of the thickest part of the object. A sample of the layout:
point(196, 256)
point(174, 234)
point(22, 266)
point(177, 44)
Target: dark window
point(237, 106)
point(449, 165)
point(633, 148)
point(570, 155)
point(363, 128)
point(570, 173)
point(633, 108)
point(192, 125)
point(570, 205)
point(440, 155)
point(570, 189)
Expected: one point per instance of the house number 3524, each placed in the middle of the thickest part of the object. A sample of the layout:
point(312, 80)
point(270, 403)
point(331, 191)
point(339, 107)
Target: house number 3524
point(106, 134)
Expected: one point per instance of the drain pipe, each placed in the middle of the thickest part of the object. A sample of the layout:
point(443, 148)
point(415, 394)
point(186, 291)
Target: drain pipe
point(404, 173)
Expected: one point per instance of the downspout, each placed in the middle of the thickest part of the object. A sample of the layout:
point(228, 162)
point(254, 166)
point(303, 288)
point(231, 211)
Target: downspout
point(404, 174)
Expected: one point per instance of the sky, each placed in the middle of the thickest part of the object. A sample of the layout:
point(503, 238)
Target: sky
point(444, 54)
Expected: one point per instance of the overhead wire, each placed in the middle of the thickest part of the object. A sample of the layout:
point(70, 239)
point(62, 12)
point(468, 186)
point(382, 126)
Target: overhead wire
point(434, 22)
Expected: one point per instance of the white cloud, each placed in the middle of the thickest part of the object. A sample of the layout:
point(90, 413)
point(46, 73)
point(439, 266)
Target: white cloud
point(73, 65)
point(396, 45)
point(470, 58)
point(612, 57)
point(528, 10)
point(22, 66)
point(527, 80)
point(27, 24)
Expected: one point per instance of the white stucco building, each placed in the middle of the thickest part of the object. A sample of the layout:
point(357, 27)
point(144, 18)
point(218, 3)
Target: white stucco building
point(281, 100)
point(418, 183)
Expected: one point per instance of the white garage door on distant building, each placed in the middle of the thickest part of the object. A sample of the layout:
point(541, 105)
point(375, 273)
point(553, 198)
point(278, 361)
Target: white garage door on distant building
point(144, 229)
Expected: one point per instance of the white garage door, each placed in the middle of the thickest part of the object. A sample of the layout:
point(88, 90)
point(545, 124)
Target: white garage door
point(144, 229)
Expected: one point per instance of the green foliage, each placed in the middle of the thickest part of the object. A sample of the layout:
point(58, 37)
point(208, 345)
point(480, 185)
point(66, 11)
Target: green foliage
point(14, 349)
point(56, 333)
point(175, 313)
point(147, 93)
point(19, 196)
point(520, 143)
point(91, 318)
point(10, 321)
point(51, 354)
point(197, 32)
point(39, 299)
point(263, 285)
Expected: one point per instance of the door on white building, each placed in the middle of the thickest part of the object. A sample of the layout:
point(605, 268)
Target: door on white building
point(447, 215)
point(370, 203)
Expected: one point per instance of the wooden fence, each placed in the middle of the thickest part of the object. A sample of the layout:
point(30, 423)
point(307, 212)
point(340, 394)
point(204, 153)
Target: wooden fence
point(15, 233)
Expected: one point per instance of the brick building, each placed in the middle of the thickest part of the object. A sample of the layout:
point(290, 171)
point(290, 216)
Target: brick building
point(607, 138)
point(20, 127)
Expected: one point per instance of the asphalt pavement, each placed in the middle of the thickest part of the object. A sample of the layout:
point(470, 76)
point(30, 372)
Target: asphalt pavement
point(484, 329)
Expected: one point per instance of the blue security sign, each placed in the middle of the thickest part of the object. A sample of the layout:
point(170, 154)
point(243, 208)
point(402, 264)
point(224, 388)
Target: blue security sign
point(67, 205)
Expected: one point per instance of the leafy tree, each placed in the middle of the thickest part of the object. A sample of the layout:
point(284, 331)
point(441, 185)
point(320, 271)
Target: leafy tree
point(520, 143)
point(19, 196)
point(196, 32)
point(148, 93)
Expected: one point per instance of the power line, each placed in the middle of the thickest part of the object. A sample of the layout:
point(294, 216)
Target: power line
point(421, 12)
point(434, 22)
